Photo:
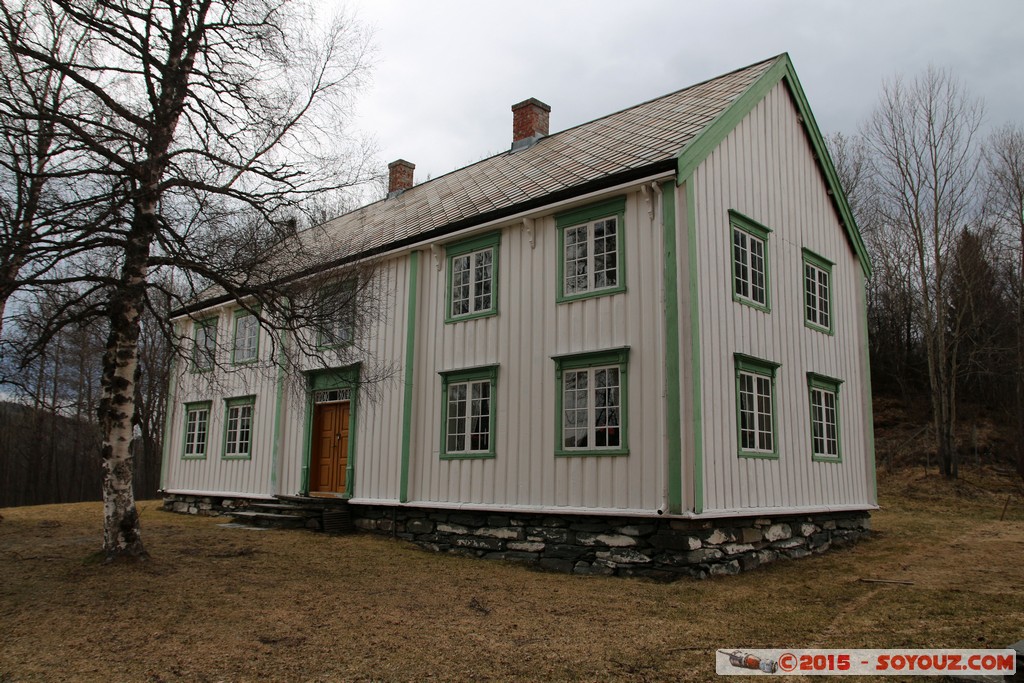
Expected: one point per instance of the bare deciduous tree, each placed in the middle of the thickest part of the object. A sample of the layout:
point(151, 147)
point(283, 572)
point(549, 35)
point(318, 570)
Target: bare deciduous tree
point(1004, 200)
point(922, 134)
point(189, 112)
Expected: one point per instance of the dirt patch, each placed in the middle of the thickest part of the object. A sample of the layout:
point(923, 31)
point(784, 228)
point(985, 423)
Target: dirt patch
point(229, 604)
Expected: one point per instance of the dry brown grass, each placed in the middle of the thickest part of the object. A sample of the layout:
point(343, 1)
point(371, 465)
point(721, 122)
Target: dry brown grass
point(222, 604)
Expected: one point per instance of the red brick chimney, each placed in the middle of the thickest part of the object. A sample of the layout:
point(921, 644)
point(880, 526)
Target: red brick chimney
point(399, 176)
point(529, 122)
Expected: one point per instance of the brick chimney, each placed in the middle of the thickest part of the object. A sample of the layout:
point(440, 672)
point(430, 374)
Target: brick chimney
point(529, 122)
point(399, 177)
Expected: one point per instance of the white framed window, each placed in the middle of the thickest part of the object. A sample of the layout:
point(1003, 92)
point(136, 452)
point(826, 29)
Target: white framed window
point(467, 420)
point(204, 348)
point(750, 262)
point(591, 403)
point(197, 426)
point(247, 337)
point(817, 292)
point(591, 250)
point(238, 422)
point(824, 400)
point(755, 407)
point(473, 277)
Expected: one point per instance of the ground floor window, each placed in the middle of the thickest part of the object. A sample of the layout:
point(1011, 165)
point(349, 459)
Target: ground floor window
point(824, 399)
point(468, 407)
point(755, 407)
point(197, 424)
point(238, 420)
point(592, 404)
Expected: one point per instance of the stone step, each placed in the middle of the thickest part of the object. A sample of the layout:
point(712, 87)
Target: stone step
point(298, 509)
point(319, 502)
point(270, 518)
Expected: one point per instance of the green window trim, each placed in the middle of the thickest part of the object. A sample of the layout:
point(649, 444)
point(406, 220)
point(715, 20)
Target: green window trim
point(752, 228)
point(203, 324)
point(195, 406)
point(465, 247)
point(612, 208)
point(229, 404)
point(238, 315)
point(749, 365)
point(331, 290)
point(581, 361)
point(487, 373)
point(825, 266)
point(831, 385)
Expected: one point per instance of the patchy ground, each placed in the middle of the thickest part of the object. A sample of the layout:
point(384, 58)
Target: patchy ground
point(223, 604)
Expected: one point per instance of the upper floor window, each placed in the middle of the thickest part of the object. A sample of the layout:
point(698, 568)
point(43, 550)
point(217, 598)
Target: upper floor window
point(473, 277)
point(591, 402)
point(591, 255)
point(755, 407)
point(247, 337)
point(749, 261)
point(204, 349)
point(817, 292)
point(337, 315)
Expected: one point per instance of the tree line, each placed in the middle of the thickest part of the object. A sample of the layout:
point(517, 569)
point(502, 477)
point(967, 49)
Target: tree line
point(941, 208)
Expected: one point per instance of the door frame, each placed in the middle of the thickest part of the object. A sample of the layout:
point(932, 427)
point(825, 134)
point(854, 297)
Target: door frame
point(343, 380)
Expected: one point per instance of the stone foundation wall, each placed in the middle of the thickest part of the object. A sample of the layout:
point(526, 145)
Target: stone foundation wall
point(207, 506)
point(583, 544)
point(656, 548)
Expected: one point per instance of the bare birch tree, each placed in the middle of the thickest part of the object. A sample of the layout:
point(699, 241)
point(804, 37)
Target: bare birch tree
point(188, 108)
point(923, 134)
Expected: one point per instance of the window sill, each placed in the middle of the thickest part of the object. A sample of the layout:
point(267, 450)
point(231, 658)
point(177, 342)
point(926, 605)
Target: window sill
point(467, 456)
point(471, 316)
point(818, 328)
point(764, 308)
point(591, 453)
point(754, 455)
point(606, 291)
point(835, 459)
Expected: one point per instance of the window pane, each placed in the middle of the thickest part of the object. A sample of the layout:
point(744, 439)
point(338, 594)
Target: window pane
point(460, 285)
point(739, 251)
point(246, 336)
point(757, 281)
point(575, 242)
point(482, 280)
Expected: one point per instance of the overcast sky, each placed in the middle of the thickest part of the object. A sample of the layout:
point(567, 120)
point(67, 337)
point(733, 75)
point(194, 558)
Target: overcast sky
point(448, 71)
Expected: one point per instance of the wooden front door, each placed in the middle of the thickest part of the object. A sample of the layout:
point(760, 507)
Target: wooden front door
point(329, 459)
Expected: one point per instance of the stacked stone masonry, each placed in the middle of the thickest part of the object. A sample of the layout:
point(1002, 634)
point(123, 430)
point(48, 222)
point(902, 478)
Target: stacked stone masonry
point(651, 547)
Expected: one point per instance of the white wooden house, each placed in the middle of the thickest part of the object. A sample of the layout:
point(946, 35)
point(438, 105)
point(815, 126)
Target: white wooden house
point(636, 346)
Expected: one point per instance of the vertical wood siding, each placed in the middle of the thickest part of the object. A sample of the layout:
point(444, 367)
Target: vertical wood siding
point(529, 329)
point(765, 170)
point(214, 473)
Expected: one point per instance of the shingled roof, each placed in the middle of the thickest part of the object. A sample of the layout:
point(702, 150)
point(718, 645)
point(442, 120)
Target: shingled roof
point(633, 142)
point(672, 132)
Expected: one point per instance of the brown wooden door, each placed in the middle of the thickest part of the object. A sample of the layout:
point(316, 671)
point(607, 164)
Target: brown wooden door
point(329, 459)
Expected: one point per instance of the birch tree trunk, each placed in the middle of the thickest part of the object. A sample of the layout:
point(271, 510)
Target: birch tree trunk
point(122, 536)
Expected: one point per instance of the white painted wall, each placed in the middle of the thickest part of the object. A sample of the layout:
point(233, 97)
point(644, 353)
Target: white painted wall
point(765, 170)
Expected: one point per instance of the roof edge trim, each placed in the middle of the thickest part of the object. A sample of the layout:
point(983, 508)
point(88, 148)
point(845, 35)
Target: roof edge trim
point(698, 149)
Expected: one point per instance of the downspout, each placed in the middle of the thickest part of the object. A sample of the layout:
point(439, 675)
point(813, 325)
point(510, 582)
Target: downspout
point(670, 298)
